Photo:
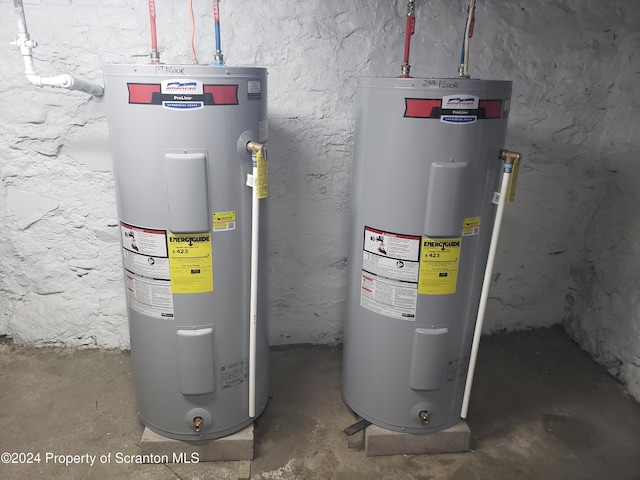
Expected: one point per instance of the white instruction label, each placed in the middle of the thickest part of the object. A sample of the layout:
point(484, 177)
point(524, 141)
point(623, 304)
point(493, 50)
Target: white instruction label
point(389, 298)
point(390, 271)
point(391, 268)
point(146, 268)
point(149, 296)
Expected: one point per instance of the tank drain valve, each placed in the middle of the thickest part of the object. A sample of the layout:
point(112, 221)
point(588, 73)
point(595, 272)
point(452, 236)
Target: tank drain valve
point(424, 416)
point(197, 423)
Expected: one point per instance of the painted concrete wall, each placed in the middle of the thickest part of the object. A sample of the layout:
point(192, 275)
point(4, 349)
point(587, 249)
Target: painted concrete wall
point(574, 113)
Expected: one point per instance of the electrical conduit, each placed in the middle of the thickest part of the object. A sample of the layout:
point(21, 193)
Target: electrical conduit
point(27, 45)
point(509, 159)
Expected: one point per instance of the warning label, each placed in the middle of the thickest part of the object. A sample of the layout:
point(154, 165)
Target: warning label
point(392, 245)
point(144, 241)
point(389, 298)
point(191, 263)
point(390, 269)
point(146, 266)
point(396, 269)
point(149, 296)
point(439, 262)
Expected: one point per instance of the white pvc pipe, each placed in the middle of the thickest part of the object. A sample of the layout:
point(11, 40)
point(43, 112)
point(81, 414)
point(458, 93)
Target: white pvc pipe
point(253, 309)
point(486, 285)
point(64, 80)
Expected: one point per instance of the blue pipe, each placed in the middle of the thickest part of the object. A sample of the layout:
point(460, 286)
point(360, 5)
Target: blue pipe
point(218, 61)
point(218, 58)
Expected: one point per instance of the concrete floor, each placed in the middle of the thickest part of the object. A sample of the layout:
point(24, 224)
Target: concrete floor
point(541, 409)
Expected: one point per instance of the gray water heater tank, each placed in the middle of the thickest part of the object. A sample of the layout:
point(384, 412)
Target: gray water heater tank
point(426, 166)
point(178, 135)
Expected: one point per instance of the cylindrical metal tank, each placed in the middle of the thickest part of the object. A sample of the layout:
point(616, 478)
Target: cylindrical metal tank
point(426, 166)
point(178, 136)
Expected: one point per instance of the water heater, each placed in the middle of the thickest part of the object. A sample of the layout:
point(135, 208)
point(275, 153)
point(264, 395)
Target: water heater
point(426, 169)
point(184, 184)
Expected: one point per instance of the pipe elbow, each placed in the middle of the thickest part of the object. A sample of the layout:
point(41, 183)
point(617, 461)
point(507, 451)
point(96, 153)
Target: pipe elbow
point(34, 79)
point(254, 147)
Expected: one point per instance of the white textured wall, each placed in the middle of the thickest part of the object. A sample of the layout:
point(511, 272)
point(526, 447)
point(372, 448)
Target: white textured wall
point(573, 116)
point(603, 301)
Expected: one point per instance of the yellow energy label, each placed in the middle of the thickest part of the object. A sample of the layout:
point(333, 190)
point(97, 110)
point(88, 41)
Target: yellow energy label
point(190, 263)
point(439, 262)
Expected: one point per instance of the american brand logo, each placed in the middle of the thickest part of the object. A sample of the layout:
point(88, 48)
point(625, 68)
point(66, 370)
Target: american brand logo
point(458, 101)
point(182, 87)
point(187, 86)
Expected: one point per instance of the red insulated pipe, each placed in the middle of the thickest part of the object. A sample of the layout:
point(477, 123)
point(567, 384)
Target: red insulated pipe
point(411, 28)
point(155, 58)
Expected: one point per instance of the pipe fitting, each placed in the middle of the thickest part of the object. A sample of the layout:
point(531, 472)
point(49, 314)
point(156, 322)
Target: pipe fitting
point(25, 44)
point(254, 147)
point(509, 157)
point(198, 422)
point(424, 416)
point(411, 8)
point(461, 71)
